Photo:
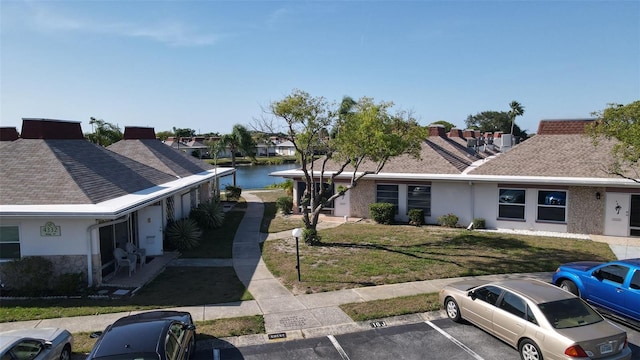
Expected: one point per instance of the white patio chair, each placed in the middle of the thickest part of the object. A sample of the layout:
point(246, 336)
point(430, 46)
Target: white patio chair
point(124, 259)
point(141, 254)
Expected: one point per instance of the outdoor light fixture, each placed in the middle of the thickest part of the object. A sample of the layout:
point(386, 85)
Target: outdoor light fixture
point(296, 233)
point(598, 195)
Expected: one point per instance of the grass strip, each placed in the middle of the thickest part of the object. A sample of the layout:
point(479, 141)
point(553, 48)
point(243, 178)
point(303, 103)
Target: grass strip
point(404, 305)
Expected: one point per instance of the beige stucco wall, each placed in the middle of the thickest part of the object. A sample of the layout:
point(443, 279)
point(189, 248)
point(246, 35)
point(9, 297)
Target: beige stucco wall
point(361, 197)
point(585, 211)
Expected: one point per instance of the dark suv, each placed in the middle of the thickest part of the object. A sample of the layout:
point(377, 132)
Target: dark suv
point(157, 335)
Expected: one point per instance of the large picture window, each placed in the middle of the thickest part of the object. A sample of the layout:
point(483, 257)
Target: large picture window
point(387, 194)
point(9, 243)
point(511, 203)
point(552, 205)
point(419, 197)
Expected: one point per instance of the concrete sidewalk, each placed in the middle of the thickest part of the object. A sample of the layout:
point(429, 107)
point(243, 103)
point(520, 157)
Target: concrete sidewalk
point(298, 316)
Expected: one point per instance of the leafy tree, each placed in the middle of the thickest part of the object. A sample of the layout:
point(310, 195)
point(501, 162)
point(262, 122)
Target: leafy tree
point(239, 141)
point(492, 121)
point(164, 135)
point(620, 122)
point(361, 132)
point(215, 148)
point(447, 125)
point(104, 133)
point(186, 132)
point(516, 110)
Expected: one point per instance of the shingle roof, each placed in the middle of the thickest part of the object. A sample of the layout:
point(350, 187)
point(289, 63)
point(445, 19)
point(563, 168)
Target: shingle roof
point(160, 156)
point(569, 155)
point(36, 171)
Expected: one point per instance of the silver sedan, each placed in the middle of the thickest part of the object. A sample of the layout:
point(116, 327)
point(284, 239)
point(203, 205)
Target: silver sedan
point(542, 321)
point(36, 344)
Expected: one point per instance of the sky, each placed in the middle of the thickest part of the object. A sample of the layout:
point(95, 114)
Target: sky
point(208, 65)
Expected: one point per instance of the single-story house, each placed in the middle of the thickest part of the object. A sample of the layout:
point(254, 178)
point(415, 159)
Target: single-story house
point(74, 202)
point(555, 181)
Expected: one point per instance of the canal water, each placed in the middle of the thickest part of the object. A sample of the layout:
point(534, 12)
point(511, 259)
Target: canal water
point(256, 176)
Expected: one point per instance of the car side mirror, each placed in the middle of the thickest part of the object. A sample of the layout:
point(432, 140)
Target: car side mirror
point(95, 334)
point(472, 295)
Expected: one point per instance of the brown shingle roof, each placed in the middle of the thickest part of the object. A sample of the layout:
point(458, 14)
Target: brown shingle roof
point(38, 171)
point(160, 156)
point(562, 127)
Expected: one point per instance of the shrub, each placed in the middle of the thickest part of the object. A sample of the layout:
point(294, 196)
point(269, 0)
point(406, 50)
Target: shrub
point(233, 192)
point(479, 223)
point(28, 276)
point(416, 217)
point(69, 284)
point(382, 213)
point(208, 215)
point(184, 234)
point(449, 220)
point(311, 236)
point(285, 204)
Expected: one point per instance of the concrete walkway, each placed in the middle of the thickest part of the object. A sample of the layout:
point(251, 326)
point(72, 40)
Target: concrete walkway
point(298, 316)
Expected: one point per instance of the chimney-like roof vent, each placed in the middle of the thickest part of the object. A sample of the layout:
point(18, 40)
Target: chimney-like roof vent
point(436, 130)
point(50, 129)
point(563, 127)
point(8, 134)
point(469, 133)
point(139, 133)
point(455, 132)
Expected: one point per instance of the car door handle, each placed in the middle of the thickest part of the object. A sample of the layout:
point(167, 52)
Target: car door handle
point(619, 290)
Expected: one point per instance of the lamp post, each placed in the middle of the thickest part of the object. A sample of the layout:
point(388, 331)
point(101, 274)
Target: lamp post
point(297, 232)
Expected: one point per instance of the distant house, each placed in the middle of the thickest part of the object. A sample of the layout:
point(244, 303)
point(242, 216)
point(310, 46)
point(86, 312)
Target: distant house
point(554, 181)
point(74, 202)
point(285, 149)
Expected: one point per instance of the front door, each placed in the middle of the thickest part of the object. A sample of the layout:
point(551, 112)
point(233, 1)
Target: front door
point(150, 229)
point(634, 217)
point(617, 214)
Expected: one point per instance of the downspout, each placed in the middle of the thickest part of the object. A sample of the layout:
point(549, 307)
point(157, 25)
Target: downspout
point(473, 201)
point(90, 243)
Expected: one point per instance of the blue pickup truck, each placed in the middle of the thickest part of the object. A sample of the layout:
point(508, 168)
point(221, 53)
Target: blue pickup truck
point(613, 287)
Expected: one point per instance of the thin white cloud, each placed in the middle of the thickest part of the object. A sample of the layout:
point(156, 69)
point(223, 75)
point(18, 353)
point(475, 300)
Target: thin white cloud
point(275, 17)
point(173, 33)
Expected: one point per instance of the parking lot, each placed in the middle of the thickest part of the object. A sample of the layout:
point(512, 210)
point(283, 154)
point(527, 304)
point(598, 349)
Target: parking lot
point(437, 339)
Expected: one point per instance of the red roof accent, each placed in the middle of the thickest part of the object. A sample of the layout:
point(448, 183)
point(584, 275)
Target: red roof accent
point(139, 133)
point(455, 133)
point(563, 127)
point(436, 130)
point(8, 134)
point(51, 129)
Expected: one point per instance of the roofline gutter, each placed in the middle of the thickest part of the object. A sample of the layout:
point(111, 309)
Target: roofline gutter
point(578, 181)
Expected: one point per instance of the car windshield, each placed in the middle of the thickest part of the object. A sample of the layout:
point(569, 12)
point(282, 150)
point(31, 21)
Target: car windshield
point(569, 313)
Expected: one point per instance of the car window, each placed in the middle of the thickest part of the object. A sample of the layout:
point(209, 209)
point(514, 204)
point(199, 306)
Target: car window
point(172, 347)
point(635, 280)
point(26, 349)
point(530, 317)
point(615, 273)
point(569, 313)
point(178, 330)
point(513, 304)
point(488, 294)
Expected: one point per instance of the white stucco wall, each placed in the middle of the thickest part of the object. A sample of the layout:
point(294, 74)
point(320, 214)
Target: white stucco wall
point(72, 239)
point(450, 198)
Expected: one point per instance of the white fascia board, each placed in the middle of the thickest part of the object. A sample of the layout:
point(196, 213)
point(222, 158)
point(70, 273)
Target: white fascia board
point(543, 180)
point(114, 208)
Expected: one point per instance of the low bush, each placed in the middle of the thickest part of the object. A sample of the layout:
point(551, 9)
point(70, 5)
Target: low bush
point(28, 276)
point(184, 234)
point(449, 220)
point(311, 236)
point(233, 192)
point(382, 213)
point(479, 223)
point(416, 217)
point(285, 204)
point(208, 215)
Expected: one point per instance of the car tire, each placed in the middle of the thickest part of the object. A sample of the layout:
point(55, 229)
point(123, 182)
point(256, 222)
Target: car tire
point(529, 350)
point(569, 286)
point(66, 353)
point(452, 309)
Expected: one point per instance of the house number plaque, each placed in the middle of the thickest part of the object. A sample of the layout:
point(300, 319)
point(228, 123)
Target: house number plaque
point(50, 229)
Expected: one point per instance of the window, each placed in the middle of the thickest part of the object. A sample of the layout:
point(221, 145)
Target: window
point(552, 205)
point(419, 197)
point(635, 280)
point(488, 294)
point(513, 304)
point(387, 194)
point(511, 204)
point(9, 242)
point(614, 273)
point(569, 313)
point(327, 192)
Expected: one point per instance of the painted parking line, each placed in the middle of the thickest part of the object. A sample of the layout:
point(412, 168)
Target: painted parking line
point(338, 347)
point(455, 341)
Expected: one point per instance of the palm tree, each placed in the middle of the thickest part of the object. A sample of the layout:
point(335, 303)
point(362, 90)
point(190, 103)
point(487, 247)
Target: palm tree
point(239, 141)
point(516, 110)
